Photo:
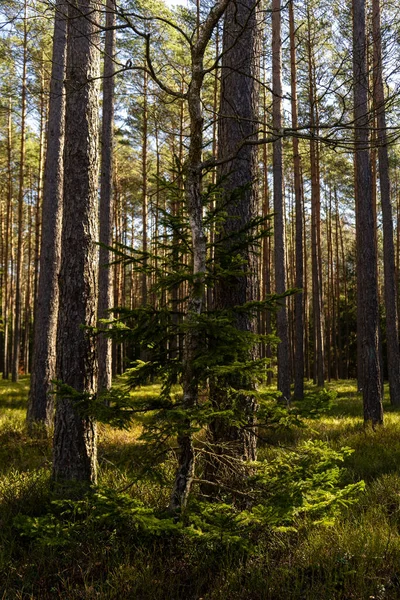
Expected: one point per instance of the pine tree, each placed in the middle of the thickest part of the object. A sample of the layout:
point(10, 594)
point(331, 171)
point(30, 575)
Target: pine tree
point(75, 434)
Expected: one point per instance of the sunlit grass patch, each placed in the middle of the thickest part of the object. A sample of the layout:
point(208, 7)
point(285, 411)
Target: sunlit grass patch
point(357, 558)
point(18, 450)
point(13, 401)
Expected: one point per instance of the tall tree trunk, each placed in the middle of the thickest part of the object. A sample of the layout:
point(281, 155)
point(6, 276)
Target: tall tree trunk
point(75, 434)
point(279, 224)
point(144, 189)
point(315, 220)
point(392, 326)
point(367, 266)
point(346, 308)
point(299, 280)
point(8, 252)
point(237, 122)
point(28, 291)
point(106, 200)
point(210, 289)
point(41, 401)
point(39, 201)
point(306, 293)
point(266, 247)
point(193, 176)
point(338, 332)
point(18, 282)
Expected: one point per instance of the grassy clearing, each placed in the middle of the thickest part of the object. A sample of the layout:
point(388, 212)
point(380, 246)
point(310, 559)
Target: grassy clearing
point(356, 558)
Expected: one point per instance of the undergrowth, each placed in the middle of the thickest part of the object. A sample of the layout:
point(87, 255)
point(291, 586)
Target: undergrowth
point(301, 537)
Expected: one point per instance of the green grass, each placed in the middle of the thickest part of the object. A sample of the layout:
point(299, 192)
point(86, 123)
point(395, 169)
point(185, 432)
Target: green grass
point(358, 557)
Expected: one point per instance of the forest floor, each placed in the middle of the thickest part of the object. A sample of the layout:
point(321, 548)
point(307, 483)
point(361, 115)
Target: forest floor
point(355, 557)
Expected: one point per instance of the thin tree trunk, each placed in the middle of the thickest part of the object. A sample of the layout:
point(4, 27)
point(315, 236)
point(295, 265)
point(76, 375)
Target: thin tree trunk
point(338, 331)
point(306, 294)
point(315, 223)
point(18, 282)
point(266, 262)
point(279, 224)
point(106, 201)
point(39, 201)
point(144, 189)
point(330, 340)
point(193, 173)
point(8, 251)
point(346, 309)
point(299, 280)
point(392, 326)
point(28, 291)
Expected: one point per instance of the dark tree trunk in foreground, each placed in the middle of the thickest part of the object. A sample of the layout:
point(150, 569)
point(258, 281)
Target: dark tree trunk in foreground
point(392, 326)
point(41, 402)
point(75, 434)
point(279, 223)
point(238, 114)
point(367, 308)
point(106, 201)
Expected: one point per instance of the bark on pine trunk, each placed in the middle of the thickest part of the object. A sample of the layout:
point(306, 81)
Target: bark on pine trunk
point(392, 325)
point(75, 434)
point(193, 175)
point(316, 264)
point(279, 223)
point(106, 201)
point(41, 401)
point(237, 123)
point(299, 279)
point(367, 262)
point(8, 251)
point(185, 472)
point(18, 279)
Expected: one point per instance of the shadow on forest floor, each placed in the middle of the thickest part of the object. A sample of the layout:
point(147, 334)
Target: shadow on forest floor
point(357, 558)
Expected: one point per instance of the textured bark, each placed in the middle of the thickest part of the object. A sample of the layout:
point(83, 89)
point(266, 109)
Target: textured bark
point(392, 326)
point(346, 303)
point(367, 308)
point(117, 270)
point(216, 87)
point(144, 188)
point(338, 334)
point(18, 281)
point(279, 223)
point(39, 200)
point(238, 114)
point(106, 201)
point(266, 247)
point(193, 176)
point(316, 270)
point(75, 435)
point(8, 251)
point(236, 177)
point(299, 278)
point(41, 402)
point(333, 370)
point(185, 472)
point(28, 293)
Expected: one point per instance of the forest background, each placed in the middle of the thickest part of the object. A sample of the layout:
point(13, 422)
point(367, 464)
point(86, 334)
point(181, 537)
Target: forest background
point(223, 244)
